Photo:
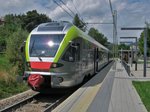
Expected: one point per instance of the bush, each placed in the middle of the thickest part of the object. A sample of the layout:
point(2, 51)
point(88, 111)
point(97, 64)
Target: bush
point(13, 53)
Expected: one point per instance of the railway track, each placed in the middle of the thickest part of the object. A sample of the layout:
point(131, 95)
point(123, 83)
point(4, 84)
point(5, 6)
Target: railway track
point(55, 104)
point(37, 102)
point(19, 104)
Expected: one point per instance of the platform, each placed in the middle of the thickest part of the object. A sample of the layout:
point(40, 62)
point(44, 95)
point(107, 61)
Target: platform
point(138, 74)
point(113, 93)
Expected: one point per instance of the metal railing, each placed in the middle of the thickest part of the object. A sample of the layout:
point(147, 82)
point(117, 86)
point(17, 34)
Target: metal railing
point(127, 67)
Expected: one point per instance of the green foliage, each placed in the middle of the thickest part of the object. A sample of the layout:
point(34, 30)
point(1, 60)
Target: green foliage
point(32, 19)
point(8, 83)
point(141, 43)
point(11, 25)
point(3, 36)
point(7, 90)
point(13, 22)
point(4, 63)
point(13, 50)
point(123, 47)
point(110, 46)
point(12, 34)
point(98, 36)
point(79, 23)
point(143, 89)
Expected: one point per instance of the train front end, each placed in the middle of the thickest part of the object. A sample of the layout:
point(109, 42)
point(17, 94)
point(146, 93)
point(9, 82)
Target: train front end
point(42, 67)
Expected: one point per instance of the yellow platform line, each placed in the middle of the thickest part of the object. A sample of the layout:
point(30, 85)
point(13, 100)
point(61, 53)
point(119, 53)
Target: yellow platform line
point(85, 99)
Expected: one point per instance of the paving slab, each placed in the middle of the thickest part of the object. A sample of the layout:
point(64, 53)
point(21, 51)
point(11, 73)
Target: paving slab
point(124, 97)
point(137, 75)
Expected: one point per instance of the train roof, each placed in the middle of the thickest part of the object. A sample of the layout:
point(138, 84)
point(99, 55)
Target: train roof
point(62, 28)
point(52, 27)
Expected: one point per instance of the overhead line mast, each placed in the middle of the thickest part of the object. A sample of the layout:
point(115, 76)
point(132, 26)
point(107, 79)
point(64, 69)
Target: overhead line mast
point(115, 40)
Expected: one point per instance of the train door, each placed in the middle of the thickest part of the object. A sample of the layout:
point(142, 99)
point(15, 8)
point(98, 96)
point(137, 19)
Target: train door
point(96, 60)
point(77, 56)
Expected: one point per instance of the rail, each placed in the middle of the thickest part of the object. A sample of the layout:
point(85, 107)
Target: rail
point(55, 104)
point(19, 104)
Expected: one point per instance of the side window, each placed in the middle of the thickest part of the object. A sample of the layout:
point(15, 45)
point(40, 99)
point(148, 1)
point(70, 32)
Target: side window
point(100, 55)
point(77, 52)
point(69, 54)
point(72, 54)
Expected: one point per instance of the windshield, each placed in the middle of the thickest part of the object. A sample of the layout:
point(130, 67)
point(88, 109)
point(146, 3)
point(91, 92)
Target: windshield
point(45, 45)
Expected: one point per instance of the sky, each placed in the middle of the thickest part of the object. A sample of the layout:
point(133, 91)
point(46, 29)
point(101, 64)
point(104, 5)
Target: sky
point(130, 13)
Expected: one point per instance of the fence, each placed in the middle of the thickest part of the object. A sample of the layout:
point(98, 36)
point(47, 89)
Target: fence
point(127, 67)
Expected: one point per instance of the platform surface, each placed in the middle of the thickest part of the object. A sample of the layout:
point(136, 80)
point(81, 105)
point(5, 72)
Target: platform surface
point(138, 74)
point(113, 93)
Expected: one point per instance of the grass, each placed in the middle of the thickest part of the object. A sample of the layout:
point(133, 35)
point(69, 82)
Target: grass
point(143, 89)
point(141, 62)
point(12, 88)
point(4, 63)
point(8, 84)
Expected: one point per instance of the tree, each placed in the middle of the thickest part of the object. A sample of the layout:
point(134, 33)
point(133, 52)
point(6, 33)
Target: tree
point(13, 44)
point(79, 23)
point(98, 36)
point(141, 43)
point(13, 22)
point(32, 19)
point(14, 32)
point(13, 53)
point(123, 47)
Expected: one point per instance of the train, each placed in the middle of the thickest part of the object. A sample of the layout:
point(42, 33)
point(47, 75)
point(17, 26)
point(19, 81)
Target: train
point(60, 55)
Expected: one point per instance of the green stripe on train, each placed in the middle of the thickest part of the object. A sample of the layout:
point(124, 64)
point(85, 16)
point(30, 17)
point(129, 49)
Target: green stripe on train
point(27, 48)
point(72, 33)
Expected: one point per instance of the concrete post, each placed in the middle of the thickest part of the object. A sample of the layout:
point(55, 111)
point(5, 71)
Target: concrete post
point(145, 51)
point(121, 57)
point(131, 55)
point(136, 55)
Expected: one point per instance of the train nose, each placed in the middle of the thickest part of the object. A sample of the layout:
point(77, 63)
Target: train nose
point(35, 80)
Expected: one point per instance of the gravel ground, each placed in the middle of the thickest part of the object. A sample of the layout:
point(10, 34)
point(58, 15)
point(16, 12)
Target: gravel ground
point(39, 104)
point(16, 98)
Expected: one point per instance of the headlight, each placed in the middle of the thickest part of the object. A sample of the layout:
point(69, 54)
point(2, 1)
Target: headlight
point(56, 65)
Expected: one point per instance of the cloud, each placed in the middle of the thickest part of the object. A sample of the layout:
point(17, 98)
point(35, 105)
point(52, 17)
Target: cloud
point(130, 12)
point(121, 7)
point(22, 6)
